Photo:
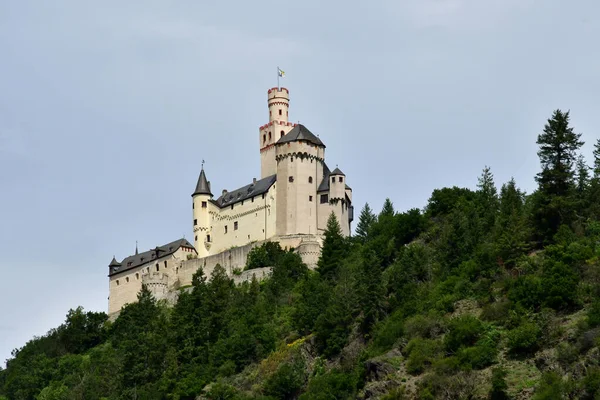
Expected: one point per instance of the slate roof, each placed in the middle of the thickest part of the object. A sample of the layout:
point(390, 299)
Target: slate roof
point(146, 257)
point(202, 187)
point(246, 192)
point(324, 185)
point(114, 263)
point(337, 171)
point(300, 132)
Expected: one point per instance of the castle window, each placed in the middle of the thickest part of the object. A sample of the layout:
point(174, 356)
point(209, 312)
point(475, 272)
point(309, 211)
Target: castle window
point(129, 263)
point(208, 238)
point(225, 228)
point(242, 203)
point(269, 136)
point(282, 133)
point(195, 222)
point(165, 264)
point(309, 198)
point(341, 179)
point(117, 282)
point(264, 139)
point(280, 112)
point(263, 195)
point(324, 198)
point(291, 159)
point(157, 267)
point(287, 113)
point(270, 113)
point(137, 276)
point(196, 238)
point(291, 179)
point(310, 179)
point(127, 279)
point(235, 226)
point(193, 206)
point(253, 199)
point(232, 206)
point(204, 204)
point(333, 179)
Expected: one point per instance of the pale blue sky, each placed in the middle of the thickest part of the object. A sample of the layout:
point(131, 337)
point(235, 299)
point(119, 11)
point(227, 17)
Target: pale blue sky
point(107, 109)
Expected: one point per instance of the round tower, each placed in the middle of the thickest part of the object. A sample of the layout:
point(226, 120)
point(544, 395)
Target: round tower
point(278, 101)
point(298, 157)
point(337, 199)
point(201, 217)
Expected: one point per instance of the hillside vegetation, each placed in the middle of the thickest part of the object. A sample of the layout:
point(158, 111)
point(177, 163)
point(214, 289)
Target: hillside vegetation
point(483, 294)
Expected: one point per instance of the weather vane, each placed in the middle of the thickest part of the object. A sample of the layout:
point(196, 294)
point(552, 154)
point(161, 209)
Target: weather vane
point(202, 163)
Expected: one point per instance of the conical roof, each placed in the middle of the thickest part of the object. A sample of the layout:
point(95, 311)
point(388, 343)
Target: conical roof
point(114, 263)
point(337, 171)
point(202, 187)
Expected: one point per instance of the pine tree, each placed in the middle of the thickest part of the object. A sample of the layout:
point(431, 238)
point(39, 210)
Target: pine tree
point(583, 176)
point(333, 249)
point(556, 182)
point(512, 231)
point(596, 154)
point(387, 210)
point(487, 199)
point(365, 221)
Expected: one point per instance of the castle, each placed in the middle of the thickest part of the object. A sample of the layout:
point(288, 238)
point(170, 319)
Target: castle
point(290, 204)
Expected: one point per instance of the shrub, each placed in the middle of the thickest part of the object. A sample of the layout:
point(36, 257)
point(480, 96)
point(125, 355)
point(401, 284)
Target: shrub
point(591, 383)
point(499, 385)
point(221, 391)
point(559, 285)
point(566, 354)
point(524, 339)
point(526, 291)
point(551, 387)
point(421, 353)
point(388, 333)
point(477, 357)
point(496, 312)
point(593, 314)
point(463, 331)
point(332, 385)
point(286, 382)
point(425, 326)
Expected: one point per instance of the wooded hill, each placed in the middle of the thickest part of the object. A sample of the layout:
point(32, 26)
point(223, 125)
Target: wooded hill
point(484, 293)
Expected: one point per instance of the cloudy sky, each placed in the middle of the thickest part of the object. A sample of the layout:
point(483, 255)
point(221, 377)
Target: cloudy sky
point(107, 109)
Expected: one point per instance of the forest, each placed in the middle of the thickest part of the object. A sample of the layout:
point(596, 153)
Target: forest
point(484, 293)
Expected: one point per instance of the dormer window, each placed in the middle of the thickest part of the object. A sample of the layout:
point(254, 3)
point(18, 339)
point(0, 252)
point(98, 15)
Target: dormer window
point(129, 263)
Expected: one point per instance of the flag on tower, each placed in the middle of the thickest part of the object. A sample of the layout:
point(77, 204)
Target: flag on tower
point(280, 72)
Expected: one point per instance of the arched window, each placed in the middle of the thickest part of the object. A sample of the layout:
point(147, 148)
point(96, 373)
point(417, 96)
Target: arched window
point(137, 276)
point(165, 264)
point(127, 279)
point(282, 133)
point(264, 139)
point(269, 136)
point(310, 179)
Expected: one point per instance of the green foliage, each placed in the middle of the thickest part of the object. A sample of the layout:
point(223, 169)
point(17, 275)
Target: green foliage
point(462, 332)
point(365, 221)
point(333, 251)
point(422, 353)
point(499, 385)
point(266, 255)
point(524, 339)
point(286, 382)
point(593, 314)
point(335, 385)
point(551, 387)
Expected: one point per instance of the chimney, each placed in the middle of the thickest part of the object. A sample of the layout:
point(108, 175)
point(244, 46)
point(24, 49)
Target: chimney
point(224, 192)
point(254, 181)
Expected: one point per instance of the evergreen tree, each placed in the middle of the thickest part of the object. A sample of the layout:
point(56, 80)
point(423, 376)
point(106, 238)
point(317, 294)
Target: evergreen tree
point(596, 154)
point(387, 210)
point(333, 251)
point(487, 197)
point(512, 231)
point(555, 201)
point(370, 291)
point(365, 221)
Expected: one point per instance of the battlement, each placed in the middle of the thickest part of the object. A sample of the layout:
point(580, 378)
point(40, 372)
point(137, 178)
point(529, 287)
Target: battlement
point(277, 92)
point(282, 123)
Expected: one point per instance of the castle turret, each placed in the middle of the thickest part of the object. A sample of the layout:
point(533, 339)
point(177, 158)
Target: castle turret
point(113, 266)
point(277, 127)
point(338, 199)
point(200, 204)
point(299, 158)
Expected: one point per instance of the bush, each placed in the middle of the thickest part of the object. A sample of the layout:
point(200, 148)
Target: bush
point(551, 387)
point(421, 353)
point(477, 357)
point(526, 291)
point(221, 391)
point(524, 338)
point(388, 333)
point(499, 385)
point(463, 331)
point(424, 326)
point(559, 285)
point(566, 354)
point(591, 383)
point(286, 382)
point(593, 314)
point(333, 385)
point(496, 312)
point(265, 255)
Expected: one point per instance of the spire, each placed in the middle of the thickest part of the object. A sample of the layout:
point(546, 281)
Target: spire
point(136, 250)
point(203, 186)
point(114, 263)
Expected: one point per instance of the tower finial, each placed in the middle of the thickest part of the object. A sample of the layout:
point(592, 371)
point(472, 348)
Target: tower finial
point(136, 248)
point(203, 163)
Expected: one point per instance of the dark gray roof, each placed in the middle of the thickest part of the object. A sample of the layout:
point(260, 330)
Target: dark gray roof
point(337, 171)
point(300, 132)
point(324, 185)
point(114, 263)
point(254, 189)
point(202, 187)
point(148, 256)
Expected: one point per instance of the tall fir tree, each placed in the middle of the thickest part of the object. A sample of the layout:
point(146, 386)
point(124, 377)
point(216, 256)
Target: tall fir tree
point(555, 200)
point(512, 232)
point(365, 222)
point(333, 249)
point(387, 210)
point(487, 196)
